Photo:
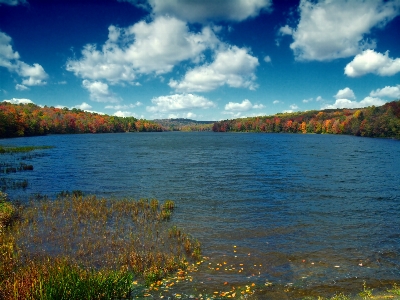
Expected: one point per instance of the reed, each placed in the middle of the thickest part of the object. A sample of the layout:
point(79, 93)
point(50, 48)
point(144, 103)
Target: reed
point(90, 248)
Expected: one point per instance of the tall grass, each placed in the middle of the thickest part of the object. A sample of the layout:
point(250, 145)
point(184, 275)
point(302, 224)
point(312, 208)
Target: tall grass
point(79, 247)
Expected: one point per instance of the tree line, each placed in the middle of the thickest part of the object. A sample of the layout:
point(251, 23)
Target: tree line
point(17, 120)
point(382, 121)
point(181, 124)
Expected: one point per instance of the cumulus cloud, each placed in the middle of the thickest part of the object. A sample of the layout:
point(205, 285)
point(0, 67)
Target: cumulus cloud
point(234, 67)
point(267, 59)
point(143, 48)
point(277, 102)
point(206, 10)
point(345, 93)
point(387, 91)
point(21, 87)
point(346, 103)
point(19, 101)
point(373, 62)
point(188, 115)
point(179, 102)
point(35, 74)
point(83, 106)
point(335, 29)
point(286, 30)
point(246, 105)
point(124, 114)
point(99, 91)
point(10, 59)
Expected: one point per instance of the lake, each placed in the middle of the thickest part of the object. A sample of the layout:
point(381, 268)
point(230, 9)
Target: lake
point(314, 212)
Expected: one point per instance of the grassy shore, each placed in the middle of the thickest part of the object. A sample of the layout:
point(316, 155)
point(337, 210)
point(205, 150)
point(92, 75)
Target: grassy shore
point(77, 247)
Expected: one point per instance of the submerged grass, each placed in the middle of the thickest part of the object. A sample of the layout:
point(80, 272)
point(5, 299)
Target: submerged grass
point(78, 247)
point(23, 149)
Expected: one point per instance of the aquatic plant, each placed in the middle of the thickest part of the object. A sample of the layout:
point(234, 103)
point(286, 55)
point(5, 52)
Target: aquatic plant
point(96, 244)
point(7, 211)
point(366, 293)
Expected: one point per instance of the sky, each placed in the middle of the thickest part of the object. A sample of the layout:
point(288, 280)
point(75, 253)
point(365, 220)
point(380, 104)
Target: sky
point(205, 60)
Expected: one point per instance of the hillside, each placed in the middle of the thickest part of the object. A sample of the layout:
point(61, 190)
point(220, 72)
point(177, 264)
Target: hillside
point(382, 121)
point(181, 124)
point(30, 120)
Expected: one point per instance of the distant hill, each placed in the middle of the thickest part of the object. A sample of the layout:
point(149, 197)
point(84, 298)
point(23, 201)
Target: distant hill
point(372, 121)
point(181, 124)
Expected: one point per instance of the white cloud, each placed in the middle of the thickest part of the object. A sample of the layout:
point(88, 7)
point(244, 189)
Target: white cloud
point(188, 115)
point(21, 87)
point(307, 100)
point(373, 62)
point(346, 103)
point(258, 106)
point(387, 91)
point(276, 102)
point(126, 106)
point(18, 101)
point(124, 114)
point(267, 59)
point(143, 48)
point(36, 74)
point(286, 30)
point(83, 106)
point(13, 2)
point(207, 10)
point(319, 98)
point(233, 67)
point(244, 106)
point(335, 29)
point(345, 93)
point(293, 107)
point(179, 102)
point(99, 91)
point(32, 75)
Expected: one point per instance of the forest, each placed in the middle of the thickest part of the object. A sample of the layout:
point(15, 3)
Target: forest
point(17, 120)
point(180, 124)
point(381, 121)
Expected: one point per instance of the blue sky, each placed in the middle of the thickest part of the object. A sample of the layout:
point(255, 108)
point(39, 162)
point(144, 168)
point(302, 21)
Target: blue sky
point(200, 59)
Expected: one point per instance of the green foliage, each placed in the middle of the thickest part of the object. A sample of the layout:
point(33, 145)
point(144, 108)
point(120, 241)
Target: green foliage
point(366, 293)
point(383, 121)
point(395, 290)
point(65, 281)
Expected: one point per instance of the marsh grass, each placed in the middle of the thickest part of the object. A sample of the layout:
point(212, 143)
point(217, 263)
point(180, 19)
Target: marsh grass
point(23, 149)
point(13, 164)
point(7, 211)
point(97, 244)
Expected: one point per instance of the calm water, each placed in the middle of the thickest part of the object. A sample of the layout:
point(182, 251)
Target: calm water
point(302, 210)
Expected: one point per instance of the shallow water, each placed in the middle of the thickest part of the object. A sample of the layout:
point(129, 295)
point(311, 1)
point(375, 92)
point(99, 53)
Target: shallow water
point(307, 211)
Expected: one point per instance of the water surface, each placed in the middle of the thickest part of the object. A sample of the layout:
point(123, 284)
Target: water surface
point(307, 211)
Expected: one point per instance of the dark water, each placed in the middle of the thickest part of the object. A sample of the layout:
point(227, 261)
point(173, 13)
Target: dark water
point(307, 211)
